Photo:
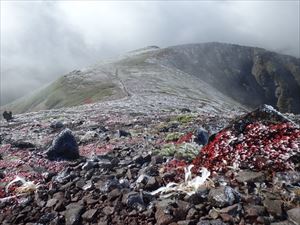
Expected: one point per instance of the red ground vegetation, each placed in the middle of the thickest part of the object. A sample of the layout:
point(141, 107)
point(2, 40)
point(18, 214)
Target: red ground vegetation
point(259, 147)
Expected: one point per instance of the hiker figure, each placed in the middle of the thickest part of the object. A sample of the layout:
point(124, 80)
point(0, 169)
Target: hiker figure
point(7, 115)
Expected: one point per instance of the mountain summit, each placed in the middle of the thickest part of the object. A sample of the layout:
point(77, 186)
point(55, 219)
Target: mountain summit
point(211, 73)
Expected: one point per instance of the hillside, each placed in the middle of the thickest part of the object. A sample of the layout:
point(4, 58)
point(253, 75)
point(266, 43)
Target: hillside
point(210, 73)
point(150, 160)
point(158, 137)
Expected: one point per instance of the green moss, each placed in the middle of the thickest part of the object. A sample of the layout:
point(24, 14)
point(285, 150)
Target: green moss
point(185, 151)
point(186, 118)
point(167, 150)
point(173, 136)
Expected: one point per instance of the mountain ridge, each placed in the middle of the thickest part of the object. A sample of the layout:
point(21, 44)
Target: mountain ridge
point(207, 72)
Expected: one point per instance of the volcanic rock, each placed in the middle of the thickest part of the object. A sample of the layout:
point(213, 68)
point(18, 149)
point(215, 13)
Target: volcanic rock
point(211, 222)
point(249, 176)
point(89, 215)
point(90, 164)
point(134, 200)
point(51, 202)
point(163, 215)
point(64, 146)
point(47, 218)
point(287, 177)
point(201, 136)
point(186, 222)
point(285, 222)
point(274, 207)
point(73, 213)
point(253, 211)
point(57, 125)
point(111, 184)
point(23, 144)
point(122, 133)
point(88, 136)
point(265, 114)
point(108, 210)
point(223, 196)
point(294, 215)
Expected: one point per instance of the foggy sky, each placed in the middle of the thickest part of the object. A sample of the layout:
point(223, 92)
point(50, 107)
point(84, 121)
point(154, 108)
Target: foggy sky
point(41, 41)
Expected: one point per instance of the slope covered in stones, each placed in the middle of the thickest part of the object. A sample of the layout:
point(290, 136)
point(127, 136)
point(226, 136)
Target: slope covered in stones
point(251, 76)
point(209, 73)
point(130, 152)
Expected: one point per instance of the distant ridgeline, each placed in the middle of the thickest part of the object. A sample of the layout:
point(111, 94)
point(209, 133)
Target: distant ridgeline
point(208, 72)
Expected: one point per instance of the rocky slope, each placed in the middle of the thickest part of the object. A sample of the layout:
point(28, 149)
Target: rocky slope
point(128, 152)
point(208, 72)
point(165, 147)
point(251, 76)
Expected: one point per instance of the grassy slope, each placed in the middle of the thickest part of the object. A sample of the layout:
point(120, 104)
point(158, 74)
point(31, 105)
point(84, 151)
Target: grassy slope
point(63, 94)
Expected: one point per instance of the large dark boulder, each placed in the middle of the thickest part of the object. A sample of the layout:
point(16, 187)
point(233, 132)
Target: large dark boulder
point(265, 114)
point(64, 146)
point(201, 136)
point(7, 115)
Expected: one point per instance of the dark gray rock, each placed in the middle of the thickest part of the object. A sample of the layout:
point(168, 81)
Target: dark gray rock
point(7, 115)
point(232, 210)
point(89, 215)
point(64, 176)
point(114, 194)
point(88, 136)
point(192, 213)
point(223, 196)
point(151, 170)
point(163, 215)
point(185, 110)
point(141, 159)
point(23, 144)
point(249, 176)
point(146, 182)
point(56, 125)
point(186, 222)
point(80, 183)
point(253, 211)
point(157, 159)
point(108, 210)
point(294, 215)
point(107, 162)
point(111, 184)
point(47, 217)
point(64, 146)
point(264, 113)
point(201, 136)
point(274, 207)
point(138, 159)
point(51, 202)
point(199, 197)
point(122, 133)
point(285, 222)
point(89, 165)
point(73, 213)
point(211, 222)
point(168, 211)
point(134, 200)
point(288, 177)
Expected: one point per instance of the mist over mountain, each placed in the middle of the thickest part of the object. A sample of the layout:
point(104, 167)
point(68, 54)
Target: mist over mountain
point(42, 40)
point(210, 73)
point(150, 112)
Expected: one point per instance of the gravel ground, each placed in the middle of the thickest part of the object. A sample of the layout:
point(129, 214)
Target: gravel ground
point(113, 163)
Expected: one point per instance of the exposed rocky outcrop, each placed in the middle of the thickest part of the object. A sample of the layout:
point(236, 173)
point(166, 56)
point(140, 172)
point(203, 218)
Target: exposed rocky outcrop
point(251, 76)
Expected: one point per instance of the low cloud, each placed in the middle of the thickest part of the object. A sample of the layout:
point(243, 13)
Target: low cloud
point(42, 40)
